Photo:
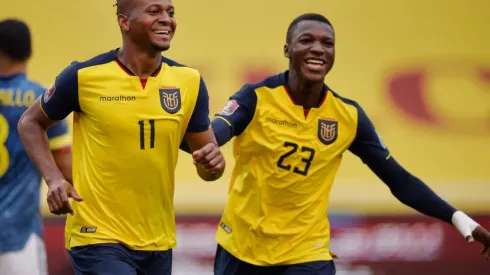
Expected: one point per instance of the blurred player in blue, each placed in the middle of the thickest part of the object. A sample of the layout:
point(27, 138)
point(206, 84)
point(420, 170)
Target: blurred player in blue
point(21, 242)
point(291, 133)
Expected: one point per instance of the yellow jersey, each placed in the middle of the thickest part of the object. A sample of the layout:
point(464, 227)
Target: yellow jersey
point(126, 136)
point(286, 160)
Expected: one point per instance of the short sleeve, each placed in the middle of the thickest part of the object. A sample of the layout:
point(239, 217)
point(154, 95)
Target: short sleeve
point(368, 144)
point(58, 135)
point(62, 97)
point(199, 121)
point(240, 109)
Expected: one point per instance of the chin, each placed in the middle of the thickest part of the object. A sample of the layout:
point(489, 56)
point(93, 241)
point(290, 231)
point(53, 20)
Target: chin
point(314, 77)
point(161, 47)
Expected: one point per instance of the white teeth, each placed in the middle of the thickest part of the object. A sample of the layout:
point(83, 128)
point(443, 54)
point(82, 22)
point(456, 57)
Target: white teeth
point(161, 32)
point(314, 61)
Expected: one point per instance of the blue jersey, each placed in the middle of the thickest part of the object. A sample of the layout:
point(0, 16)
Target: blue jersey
point(19, 178)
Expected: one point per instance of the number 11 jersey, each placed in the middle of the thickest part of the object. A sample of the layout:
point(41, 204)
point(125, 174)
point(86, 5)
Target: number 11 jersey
point(126, 136)
point(286, 160)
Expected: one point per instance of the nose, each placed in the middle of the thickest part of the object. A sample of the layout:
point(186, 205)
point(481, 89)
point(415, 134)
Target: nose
point(317, 48)
point(165, 19)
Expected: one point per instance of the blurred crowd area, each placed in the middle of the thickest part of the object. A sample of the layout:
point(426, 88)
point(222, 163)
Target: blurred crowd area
point(420, 69)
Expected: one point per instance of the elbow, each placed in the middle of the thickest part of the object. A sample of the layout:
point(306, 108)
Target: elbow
point(28, 125)
point(23, 125)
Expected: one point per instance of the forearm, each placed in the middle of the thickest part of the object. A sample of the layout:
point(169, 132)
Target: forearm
point(411, 191)
point(417, 195)
point(222, 132)
point(36, 144)
point(64, 162)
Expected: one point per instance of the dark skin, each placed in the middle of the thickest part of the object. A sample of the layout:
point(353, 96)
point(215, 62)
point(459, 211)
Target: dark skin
point(309, 40)
point(140, 21)
point(32, 129)
point(147, 28)
point(316, 40)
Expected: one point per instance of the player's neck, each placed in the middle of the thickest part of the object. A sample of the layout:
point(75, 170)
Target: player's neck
point(142, 64)
point(305, 93)
point(9, 68)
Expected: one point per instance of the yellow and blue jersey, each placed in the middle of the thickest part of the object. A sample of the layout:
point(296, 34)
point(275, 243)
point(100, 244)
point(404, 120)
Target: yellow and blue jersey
point(286, 160)
point(19, 179)
point(126, 136)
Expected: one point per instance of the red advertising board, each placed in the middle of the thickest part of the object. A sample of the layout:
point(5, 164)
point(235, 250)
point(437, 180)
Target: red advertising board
point(365, 245)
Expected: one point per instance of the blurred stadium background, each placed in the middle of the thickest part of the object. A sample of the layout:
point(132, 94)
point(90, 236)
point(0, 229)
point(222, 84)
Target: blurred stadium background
point(421, 70)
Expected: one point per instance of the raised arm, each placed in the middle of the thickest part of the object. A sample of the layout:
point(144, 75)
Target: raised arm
point(55, 104)
point(407, 188)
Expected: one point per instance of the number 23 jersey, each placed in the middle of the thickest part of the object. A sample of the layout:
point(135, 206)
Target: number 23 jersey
point(286, 162)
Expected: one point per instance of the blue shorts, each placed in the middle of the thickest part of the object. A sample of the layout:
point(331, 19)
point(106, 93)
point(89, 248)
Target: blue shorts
point(115, 259)
point(227, 264)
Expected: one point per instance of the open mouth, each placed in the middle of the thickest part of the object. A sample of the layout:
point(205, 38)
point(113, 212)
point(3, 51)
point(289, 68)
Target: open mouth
point(162, 33)
point(314, 63)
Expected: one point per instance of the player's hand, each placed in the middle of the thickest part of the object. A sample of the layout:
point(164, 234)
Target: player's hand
point(210, 157)
point(482, 236)
point(59, 192)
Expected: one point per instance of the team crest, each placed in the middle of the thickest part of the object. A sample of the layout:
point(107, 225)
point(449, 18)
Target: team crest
point(170, 99)
point(49, 93)
point(327, 131)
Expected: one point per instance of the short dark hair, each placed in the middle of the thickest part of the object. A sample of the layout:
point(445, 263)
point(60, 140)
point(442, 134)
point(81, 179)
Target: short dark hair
point(305, 17)
point(15, 39)
point(118, 7)
point(121, 7)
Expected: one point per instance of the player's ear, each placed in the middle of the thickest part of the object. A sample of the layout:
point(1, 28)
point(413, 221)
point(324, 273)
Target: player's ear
point(286, 50)
point(123, 22)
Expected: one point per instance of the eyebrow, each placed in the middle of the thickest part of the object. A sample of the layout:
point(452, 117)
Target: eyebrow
point(306, 33)
point(170, 6)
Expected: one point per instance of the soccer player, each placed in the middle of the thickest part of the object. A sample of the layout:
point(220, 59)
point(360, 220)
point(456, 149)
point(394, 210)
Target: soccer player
point(21, 238)
point(132, 108)
point(291, 132)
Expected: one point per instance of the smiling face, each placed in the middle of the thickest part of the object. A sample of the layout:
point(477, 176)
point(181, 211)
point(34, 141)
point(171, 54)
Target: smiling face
point(149, 23)
point(311, 50)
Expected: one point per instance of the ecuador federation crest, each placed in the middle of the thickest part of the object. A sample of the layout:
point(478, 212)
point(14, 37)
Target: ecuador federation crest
point(170, 99)
point(327, 131)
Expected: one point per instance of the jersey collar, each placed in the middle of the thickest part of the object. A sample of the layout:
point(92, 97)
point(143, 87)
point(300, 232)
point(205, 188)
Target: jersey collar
point(129, 72)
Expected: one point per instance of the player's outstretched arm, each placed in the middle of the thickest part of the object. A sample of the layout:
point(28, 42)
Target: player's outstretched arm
point(233, 118)
point(223, 133)
point(54, 105)
point(407, 188)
